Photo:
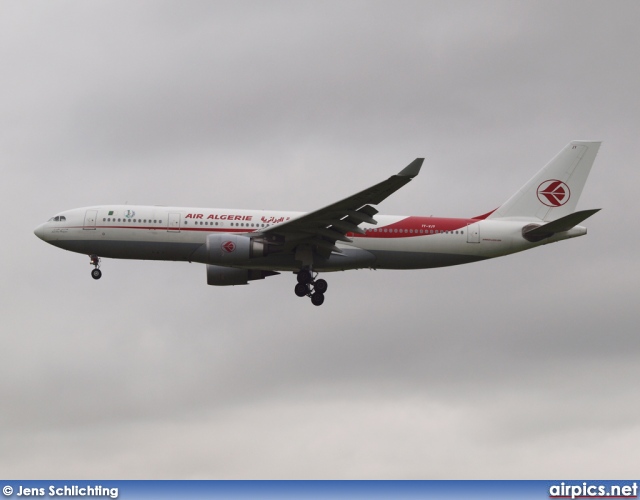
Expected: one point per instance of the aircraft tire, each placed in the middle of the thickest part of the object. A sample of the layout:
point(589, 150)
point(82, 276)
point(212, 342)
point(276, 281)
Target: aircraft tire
point(305, 276)
point(320, 286)
point(301, 290)
point(96, 274)
point(317, 299)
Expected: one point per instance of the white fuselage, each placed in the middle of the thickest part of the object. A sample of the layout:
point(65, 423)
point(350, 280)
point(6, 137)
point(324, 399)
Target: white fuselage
point(180, 233)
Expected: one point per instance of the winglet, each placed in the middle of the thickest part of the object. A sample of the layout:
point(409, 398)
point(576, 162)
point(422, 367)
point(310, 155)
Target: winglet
point(412, 169)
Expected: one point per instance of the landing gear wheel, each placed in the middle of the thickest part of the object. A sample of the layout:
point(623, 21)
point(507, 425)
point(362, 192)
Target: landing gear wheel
point(320, 286)
point(317, 299)
point(96, 274)
point(305, 276)
point(302, 290)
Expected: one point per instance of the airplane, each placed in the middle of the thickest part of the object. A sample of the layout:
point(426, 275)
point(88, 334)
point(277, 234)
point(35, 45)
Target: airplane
point(238, 246)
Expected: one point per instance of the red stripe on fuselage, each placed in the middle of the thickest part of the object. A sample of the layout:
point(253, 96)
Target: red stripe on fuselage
point(415, 226)
point(176, 229)
point(408, 227)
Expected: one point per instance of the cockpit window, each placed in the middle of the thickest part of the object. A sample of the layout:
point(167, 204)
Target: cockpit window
point(58, 218)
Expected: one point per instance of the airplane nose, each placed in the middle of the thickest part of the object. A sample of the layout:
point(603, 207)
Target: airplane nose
point(39, 231)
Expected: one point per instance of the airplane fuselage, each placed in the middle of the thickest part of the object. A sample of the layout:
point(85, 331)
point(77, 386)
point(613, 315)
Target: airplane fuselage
point(179, 234)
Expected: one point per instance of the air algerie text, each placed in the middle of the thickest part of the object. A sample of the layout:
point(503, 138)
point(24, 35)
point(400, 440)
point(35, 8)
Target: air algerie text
point(219, 217)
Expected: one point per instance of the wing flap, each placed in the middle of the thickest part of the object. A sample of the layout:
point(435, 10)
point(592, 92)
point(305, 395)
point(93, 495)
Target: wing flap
point(357, 216)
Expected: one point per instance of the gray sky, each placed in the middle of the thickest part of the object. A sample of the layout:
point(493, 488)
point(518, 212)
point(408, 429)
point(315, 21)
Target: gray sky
point(521, 367)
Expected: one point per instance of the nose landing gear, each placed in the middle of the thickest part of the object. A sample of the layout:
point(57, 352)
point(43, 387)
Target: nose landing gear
point(308, 286)
point(96, 274)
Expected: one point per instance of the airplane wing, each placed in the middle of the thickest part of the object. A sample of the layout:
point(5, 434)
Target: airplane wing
point(322, 228)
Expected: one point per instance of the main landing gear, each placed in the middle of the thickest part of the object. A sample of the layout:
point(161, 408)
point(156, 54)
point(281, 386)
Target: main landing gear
point(308, 286)
point(96, 274)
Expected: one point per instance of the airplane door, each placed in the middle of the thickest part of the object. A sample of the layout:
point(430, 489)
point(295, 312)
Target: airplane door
point(90, 219)
point(473, 233)
point(174, 223)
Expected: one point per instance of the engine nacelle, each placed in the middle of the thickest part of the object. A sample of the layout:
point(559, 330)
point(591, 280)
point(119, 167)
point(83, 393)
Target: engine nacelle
point(229, 249)
point(226, 276)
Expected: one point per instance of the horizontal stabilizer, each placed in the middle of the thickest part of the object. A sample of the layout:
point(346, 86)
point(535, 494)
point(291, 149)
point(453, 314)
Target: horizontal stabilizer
point(559, 225)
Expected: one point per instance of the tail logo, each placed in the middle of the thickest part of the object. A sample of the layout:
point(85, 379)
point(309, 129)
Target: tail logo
point(228, 246)
point(553, 193)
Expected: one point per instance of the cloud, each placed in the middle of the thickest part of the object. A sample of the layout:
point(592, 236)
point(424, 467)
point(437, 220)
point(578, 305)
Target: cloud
point(519, 367)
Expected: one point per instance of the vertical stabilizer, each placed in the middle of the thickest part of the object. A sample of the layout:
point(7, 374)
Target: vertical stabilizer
point(554, 191)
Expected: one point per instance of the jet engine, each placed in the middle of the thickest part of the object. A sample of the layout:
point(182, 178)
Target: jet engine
point(225, 276)
point(229, 249)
